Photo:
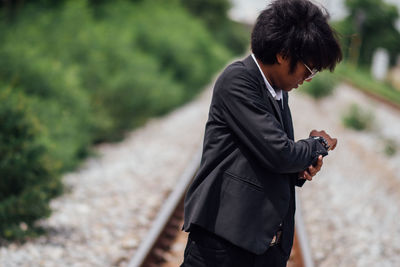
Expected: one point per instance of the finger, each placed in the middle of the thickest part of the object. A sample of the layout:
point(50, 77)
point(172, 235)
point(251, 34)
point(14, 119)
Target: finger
point(319, 163)
point(334, 143)
point(307, 176)
point(304, 175)
point(312, 170)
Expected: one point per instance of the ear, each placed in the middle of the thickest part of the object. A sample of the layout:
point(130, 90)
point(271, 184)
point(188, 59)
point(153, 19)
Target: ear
point(280, 58)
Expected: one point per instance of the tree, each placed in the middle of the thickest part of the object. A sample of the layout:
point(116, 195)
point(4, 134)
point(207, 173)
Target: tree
point(214, 13)
point(373, 23)
point(27, 182)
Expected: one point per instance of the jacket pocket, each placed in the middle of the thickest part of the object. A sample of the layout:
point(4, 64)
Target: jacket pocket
point(245, 215)
point(247, 181)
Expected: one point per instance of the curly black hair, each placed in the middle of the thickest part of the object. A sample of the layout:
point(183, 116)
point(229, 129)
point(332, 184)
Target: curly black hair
point(299, 30)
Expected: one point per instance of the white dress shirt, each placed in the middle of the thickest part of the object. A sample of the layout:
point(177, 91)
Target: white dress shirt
point(276, 94)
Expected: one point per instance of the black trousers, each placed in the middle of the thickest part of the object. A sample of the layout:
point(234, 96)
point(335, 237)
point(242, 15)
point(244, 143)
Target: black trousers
point(205, 249)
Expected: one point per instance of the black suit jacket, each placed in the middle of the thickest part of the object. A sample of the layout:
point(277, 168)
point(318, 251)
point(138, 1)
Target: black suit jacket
point(244, 188)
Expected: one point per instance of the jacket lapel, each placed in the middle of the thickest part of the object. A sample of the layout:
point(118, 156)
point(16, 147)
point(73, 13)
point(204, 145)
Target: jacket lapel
point(287, 117)
point(251, 65)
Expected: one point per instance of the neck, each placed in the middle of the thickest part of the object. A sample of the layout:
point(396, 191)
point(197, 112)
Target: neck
point(268, 72)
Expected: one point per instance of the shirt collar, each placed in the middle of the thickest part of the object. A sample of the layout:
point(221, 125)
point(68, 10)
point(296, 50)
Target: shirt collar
point(276, 94)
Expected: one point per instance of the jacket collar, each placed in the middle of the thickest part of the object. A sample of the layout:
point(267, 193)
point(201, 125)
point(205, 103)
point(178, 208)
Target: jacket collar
point(252, 67)
point(276, 94)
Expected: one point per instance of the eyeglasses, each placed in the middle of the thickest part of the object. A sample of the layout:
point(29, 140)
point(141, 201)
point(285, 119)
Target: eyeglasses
point(313, 72)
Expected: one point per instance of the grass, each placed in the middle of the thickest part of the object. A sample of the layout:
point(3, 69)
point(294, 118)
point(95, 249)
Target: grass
point(357, 118)
point(362, 80)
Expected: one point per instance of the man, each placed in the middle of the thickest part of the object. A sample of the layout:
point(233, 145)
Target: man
point(240, 208)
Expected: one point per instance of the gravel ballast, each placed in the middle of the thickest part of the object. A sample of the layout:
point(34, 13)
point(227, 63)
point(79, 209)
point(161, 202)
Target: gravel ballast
point(350, 208)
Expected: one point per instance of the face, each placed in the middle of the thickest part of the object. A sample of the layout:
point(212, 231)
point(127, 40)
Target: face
point(286, 80)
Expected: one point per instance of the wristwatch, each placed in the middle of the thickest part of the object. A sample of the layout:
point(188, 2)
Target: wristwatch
point(322, 141)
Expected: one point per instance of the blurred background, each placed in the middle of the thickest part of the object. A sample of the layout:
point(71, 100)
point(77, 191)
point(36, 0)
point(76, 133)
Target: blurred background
point(103, 103)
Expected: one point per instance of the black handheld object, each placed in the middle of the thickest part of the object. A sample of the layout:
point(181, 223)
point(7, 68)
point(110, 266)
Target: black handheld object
point(324, 143)
point(315, 160)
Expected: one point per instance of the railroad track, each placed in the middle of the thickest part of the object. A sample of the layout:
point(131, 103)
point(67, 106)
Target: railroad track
point(165, 233)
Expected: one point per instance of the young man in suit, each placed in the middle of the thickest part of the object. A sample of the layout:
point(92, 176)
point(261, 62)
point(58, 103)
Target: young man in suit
point(240, 208)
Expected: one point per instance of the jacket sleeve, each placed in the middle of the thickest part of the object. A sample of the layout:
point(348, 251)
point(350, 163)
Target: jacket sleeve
point(299, 182)
point(248, 115)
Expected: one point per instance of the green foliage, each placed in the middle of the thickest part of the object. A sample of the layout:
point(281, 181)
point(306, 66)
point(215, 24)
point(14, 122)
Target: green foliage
point(390, 147)
point(112, 67)
point(370, 25)
point(28, 180)
point(320, 86)
point(357, 118)
point(57, 98)
point(361, 78)
point(184, 49)
point(82, 74)
point(214, 13)
point(233, 35)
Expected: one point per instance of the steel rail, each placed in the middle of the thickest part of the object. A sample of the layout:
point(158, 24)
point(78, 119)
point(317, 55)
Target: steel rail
point(175, 198)
point(301, 234)
point(166, 212)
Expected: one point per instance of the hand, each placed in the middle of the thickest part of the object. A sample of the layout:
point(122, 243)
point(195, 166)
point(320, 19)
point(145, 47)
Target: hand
point(332, 142)
point(312, 170)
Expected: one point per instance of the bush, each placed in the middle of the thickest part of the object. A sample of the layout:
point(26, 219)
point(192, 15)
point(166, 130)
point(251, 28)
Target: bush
point(54, 89)
point(369, 25)
point(214, 14)
point(183, 48)
point(361, 78)
point(28, 180)
point(390, 147)
point(81, 75)
point(320, 86)
point(357, 119)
